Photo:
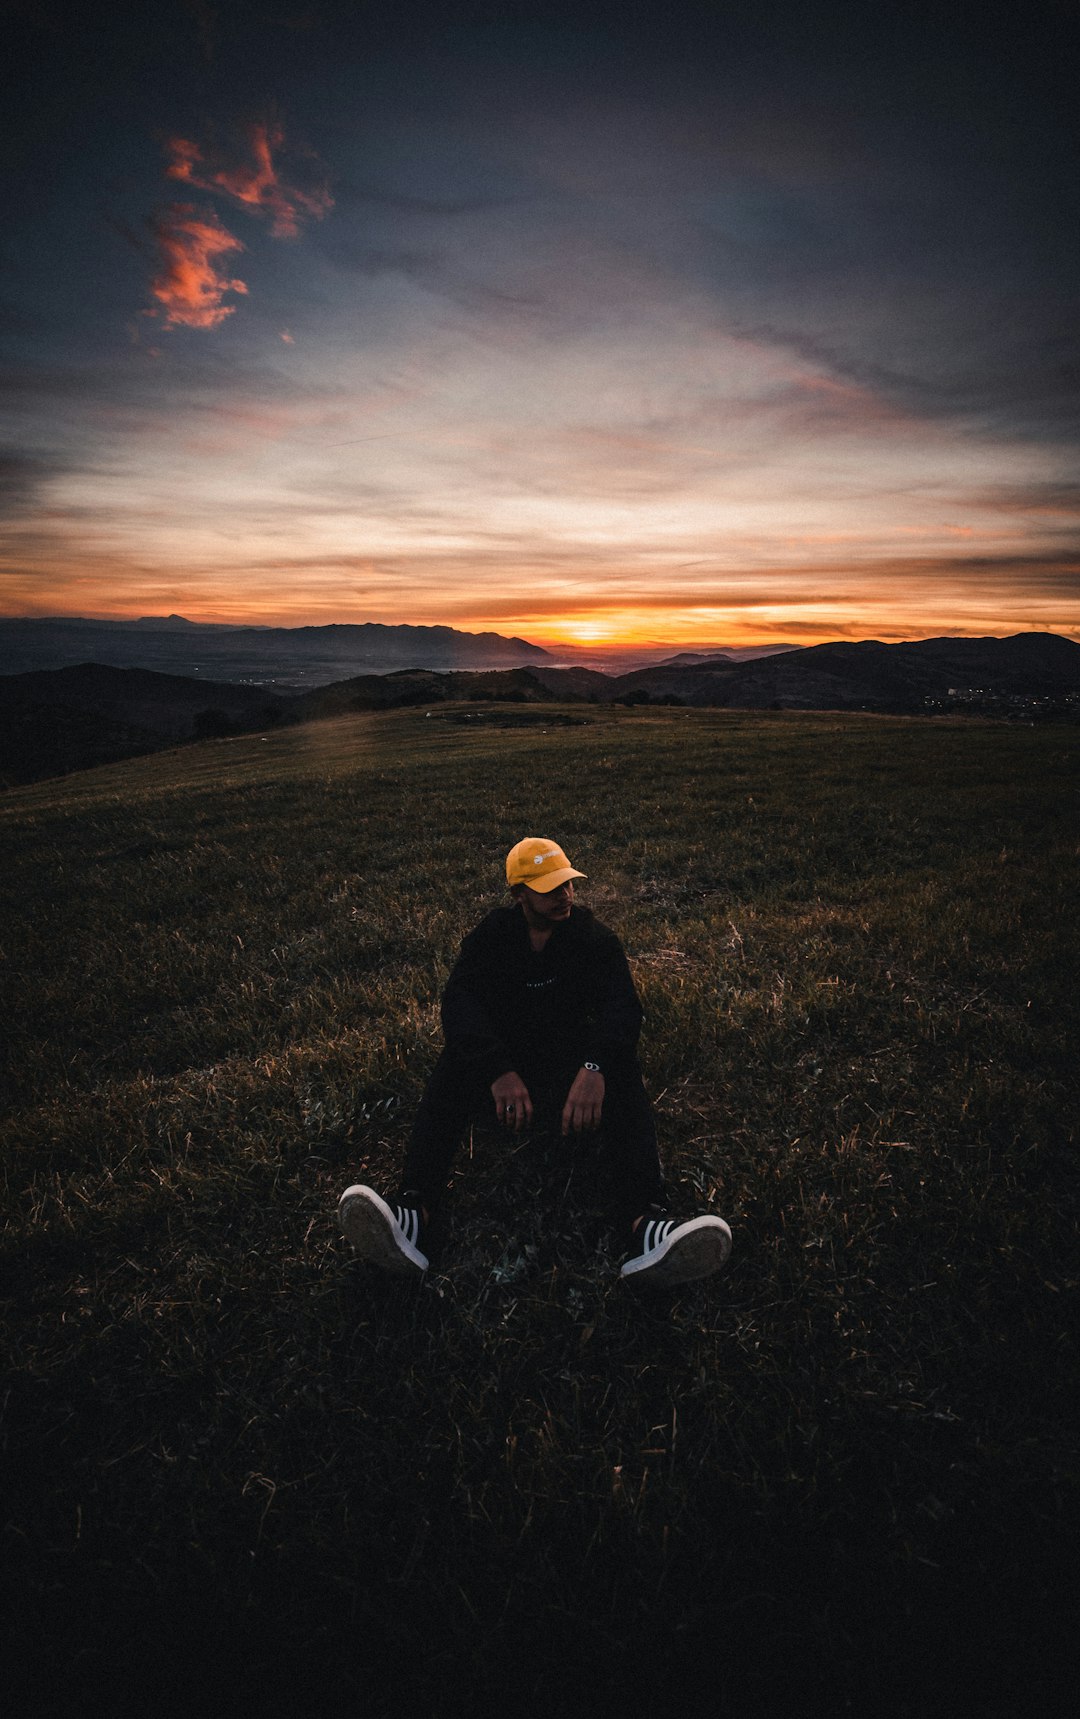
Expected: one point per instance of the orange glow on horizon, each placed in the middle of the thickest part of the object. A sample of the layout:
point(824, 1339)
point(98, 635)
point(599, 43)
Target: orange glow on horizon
point(589, 632)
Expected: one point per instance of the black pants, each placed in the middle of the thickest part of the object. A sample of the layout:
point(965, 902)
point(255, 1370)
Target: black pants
point(456, 1094)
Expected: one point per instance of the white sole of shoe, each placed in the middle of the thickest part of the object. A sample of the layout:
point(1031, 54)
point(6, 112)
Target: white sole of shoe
point(695, 1249)
point(374, 1231)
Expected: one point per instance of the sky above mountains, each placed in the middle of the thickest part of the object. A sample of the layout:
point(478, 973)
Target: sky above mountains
point(596, 323)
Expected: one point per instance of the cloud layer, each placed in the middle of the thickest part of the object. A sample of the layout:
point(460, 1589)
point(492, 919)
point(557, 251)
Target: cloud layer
point(724, 326)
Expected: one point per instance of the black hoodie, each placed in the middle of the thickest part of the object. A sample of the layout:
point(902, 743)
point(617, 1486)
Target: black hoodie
point(508, 1006)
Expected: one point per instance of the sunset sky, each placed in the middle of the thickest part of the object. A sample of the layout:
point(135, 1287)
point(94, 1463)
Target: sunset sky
point(596, 323)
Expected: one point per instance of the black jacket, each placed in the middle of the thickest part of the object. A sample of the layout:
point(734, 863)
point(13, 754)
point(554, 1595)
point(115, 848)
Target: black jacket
point(507, 1006)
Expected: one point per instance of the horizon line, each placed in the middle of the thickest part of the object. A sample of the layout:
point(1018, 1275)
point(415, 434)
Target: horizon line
point(578, 647)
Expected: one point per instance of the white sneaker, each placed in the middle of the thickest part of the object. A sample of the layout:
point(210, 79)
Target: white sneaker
point(384, 1235)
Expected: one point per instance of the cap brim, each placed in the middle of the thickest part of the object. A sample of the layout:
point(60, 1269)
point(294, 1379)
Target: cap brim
point(552, 879)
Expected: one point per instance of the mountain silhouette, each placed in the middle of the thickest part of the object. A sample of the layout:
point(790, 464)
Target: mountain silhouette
point(298, 656)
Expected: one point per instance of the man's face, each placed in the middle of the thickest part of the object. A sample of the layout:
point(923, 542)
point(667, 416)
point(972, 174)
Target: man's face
point(544, 910)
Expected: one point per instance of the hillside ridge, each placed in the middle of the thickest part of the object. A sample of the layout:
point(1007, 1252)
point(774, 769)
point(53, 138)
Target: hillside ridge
point(56, 720)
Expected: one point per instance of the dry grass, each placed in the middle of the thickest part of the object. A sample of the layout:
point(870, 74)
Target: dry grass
point(840, 1479)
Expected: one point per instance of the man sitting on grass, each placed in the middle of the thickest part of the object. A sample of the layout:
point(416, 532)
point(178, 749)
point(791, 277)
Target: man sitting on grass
point(540, 1016)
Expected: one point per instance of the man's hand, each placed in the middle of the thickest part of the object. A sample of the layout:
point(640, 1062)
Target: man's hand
point(512, 1102)
point(584, 1102)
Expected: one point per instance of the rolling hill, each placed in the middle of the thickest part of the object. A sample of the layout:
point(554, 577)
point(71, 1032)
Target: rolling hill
point(868, 675)
point(53, 721)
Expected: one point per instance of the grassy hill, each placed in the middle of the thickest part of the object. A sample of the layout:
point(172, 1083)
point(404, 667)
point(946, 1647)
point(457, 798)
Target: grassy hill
point(68, 719)
point(56, 720)
point(244, 1470)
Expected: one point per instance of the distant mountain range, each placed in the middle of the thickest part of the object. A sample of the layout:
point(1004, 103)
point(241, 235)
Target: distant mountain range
point(726, 653)
point(867, 675)
point(52, 721)
point(280, 657)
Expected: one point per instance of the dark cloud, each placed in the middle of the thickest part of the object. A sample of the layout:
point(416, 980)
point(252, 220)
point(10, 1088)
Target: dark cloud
point(401, 203)
point(1051, 498)
point(1021, 383)
point(433, 272)
point(22, 478)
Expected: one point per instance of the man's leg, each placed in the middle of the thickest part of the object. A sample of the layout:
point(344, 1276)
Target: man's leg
point(629, 1142)
point(627, 1129)
point(452, 1095)
point(393, 1234)
point(660, 1250)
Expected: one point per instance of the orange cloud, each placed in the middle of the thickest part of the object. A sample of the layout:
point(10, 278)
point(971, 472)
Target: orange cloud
point(189, 286)
point(256, 184)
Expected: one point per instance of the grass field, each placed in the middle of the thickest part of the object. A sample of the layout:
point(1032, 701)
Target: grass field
point(247, 1472)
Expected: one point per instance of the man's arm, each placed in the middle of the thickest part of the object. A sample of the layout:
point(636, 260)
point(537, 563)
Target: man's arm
point(513, 1105)
point(584, 1102)
point(615, 1008)
point(470, 1008)
point(615, 1022)
point(469, 1014)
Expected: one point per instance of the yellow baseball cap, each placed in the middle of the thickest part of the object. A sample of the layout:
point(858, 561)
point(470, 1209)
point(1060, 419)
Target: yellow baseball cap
point(539, 863)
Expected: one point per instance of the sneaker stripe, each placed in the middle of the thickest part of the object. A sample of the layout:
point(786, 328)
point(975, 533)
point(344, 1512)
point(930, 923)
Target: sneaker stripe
point(672, 1252)
point(383, 1234)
